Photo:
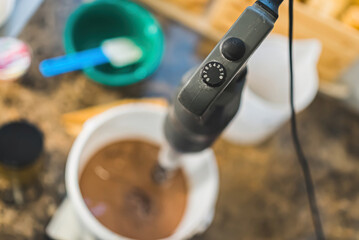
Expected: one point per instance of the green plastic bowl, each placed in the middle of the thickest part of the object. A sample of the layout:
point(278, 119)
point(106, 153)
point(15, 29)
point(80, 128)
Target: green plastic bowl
point(92, 23)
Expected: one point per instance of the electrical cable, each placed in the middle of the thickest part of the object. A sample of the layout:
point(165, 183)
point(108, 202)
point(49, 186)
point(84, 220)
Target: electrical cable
point(300, 154)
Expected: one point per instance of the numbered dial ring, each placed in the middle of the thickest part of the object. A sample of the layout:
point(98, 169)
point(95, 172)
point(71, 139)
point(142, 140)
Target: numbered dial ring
point(213, 74)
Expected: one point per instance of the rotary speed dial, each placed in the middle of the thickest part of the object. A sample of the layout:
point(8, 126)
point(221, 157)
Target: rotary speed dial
point(213, 74)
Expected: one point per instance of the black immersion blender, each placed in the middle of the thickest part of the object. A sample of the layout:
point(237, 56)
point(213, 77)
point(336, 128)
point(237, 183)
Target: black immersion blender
point(211, 96)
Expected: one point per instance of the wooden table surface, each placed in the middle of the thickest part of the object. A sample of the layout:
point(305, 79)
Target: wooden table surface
point(262, 194)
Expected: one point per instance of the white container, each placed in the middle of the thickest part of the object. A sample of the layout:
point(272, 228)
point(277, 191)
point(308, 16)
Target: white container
point(142, 121)
point(265, 101)
point(6, 8)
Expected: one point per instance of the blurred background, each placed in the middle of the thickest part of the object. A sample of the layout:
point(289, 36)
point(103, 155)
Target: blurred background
point(262, 193)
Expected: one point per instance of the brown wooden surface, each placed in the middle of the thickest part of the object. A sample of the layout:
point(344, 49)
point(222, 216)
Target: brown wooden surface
point(73, 121)
point(195, 22)
point(193, 6)
point(262, 194)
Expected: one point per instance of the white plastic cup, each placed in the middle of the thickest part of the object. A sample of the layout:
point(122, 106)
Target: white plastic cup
point(141, 121)
point(265, 101)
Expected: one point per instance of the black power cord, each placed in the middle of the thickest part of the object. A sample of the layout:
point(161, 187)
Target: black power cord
point(301, 157)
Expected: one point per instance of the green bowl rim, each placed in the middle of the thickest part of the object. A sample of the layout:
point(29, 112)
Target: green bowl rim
point(104, 78)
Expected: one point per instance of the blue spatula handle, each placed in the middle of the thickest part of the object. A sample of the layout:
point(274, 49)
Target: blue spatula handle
point(72, 62)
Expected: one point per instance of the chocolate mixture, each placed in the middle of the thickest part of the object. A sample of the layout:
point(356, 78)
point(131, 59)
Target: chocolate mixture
point(117, 187)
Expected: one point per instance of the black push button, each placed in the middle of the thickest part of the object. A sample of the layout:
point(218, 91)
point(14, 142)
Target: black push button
point(233, 49)
point(213, 74)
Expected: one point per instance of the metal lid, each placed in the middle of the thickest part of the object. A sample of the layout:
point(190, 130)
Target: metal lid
point(21, 144)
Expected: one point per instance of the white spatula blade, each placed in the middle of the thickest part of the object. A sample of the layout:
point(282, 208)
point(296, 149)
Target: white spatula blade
point(122, 51)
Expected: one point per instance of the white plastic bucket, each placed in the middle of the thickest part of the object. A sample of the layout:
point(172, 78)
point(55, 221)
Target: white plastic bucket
point(265, 101)
point(141, 121)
